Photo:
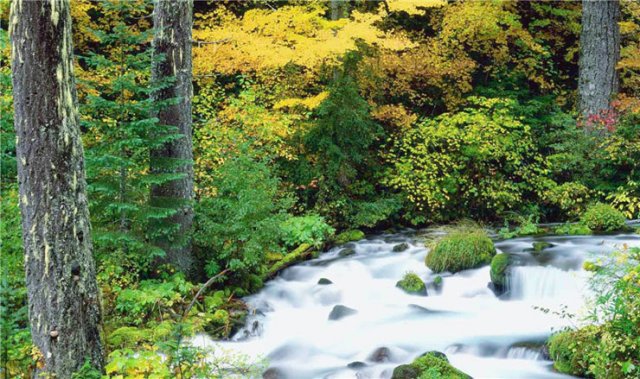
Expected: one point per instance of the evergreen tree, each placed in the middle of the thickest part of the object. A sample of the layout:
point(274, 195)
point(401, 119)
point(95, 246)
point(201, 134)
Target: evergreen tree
point(121, 132)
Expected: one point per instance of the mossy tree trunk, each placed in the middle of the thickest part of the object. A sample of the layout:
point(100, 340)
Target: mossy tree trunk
point(64, 309)
point(599, 54)
point(173, 22)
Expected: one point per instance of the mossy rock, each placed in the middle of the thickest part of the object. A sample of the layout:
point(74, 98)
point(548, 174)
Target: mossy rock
point(346, 252)
point(570, 350)
point(429, 365)
point(573, 230)
point(399, 248)
point(461, 251)
point(538, 246)
point(349, 236)
point(500, 270)
point(437, 281)
point(601, 217)
point(412, 284)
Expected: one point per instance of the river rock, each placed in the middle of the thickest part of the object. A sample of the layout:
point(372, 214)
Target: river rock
point(356, 365)
point(273, 373)
point(399, 248)
point(538, 246)
point(381, 354)
point(324, 281)
point(346, 252)
point(406, 372)
point(340, 311)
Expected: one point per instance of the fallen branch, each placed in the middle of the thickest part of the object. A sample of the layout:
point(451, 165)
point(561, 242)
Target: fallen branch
point(204, 287)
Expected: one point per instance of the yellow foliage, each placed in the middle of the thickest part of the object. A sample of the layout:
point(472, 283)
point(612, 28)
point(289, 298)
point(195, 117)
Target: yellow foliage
point(309, 103)
point(263, 39)
point(413, 6)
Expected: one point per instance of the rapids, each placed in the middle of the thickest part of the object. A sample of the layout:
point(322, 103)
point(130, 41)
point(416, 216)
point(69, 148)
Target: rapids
point(484, 335)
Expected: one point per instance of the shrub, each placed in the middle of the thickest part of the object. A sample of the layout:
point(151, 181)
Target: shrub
point(603, 218)
point(411, 283)
point(570, 198)
point(461, 250)
point(309, 229)
point(481, 159)
point(527, 226)
point(499, 267)
point(236, 227)
point(570, 350)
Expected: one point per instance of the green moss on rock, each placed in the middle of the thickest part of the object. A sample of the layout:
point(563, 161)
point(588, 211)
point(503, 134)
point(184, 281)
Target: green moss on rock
point(412, 284)
point(461, 251)
point(430, 365)
point(499, 270)
point(538, 246)
point(400, 247)
point(437, 281)
point(349, 236)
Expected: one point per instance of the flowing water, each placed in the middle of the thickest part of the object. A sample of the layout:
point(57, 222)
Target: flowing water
point(484, 335)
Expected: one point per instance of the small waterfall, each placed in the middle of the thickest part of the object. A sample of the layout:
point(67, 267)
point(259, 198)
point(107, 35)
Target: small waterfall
point(524, 353)
point(545, 282)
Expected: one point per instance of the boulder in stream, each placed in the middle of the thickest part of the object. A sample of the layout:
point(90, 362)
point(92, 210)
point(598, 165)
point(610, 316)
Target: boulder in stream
point(412, 284)
point(499, 272)
point(340, 311)
point(356, 365)
point(346, 252)
point(433, 362)
point(399, 248)
point(324, 281)
point(273, 373)
point(381, 354)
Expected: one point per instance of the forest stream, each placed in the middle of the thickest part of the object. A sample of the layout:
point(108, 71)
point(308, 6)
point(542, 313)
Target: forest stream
point(482, 334)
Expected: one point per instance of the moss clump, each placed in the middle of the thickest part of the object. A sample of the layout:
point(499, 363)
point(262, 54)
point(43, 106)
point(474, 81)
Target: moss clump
point(603, 218)
point(460, 251)
point(538, 246)
point(411, 283)
point(499, 270)
point(429, 365)
point(573, 230)
point(348, 236)
point(437, 281)
point(570, 350)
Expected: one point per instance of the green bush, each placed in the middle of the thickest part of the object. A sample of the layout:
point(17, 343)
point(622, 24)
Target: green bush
point(461, 250)
point(411, 283)
point(310, 229)
point(526, 226)
point(499, 267)
point(432, 365)
point(570, 350)
point(474, 163)
point(601, 217)
point(237, 227)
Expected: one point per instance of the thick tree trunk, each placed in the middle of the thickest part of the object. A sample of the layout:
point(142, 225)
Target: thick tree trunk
point(64, 309)
point(599, 54)
point(173, 22)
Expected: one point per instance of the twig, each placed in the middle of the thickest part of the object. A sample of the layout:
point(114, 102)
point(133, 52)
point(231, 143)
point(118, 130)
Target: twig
point(204, 287)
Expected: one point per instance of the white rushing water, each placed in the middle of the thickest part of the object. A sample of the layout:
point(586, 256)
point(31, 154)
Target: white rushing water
point(482, 334)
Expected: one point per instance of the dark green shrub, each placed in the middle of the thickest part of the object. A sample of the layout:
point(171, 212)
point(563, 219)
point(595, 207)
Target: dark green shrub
point(499, 270)
point(572, 229)
point(311, 229)
point(601, 217)
point(411, 283)
point(461, 250)
point(570, 350)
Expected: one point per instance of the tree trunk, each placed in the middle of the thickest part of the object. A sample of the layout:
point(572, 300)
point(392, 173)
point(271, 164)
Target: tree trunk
point(599, 54)
point(173, 22)
point(64, 309)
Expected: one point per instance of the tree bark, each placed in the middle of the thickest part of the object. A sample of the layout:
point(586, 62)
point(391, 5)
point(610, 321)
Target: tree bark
point(173, 22)
point(599, 54)
point(64, 309)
